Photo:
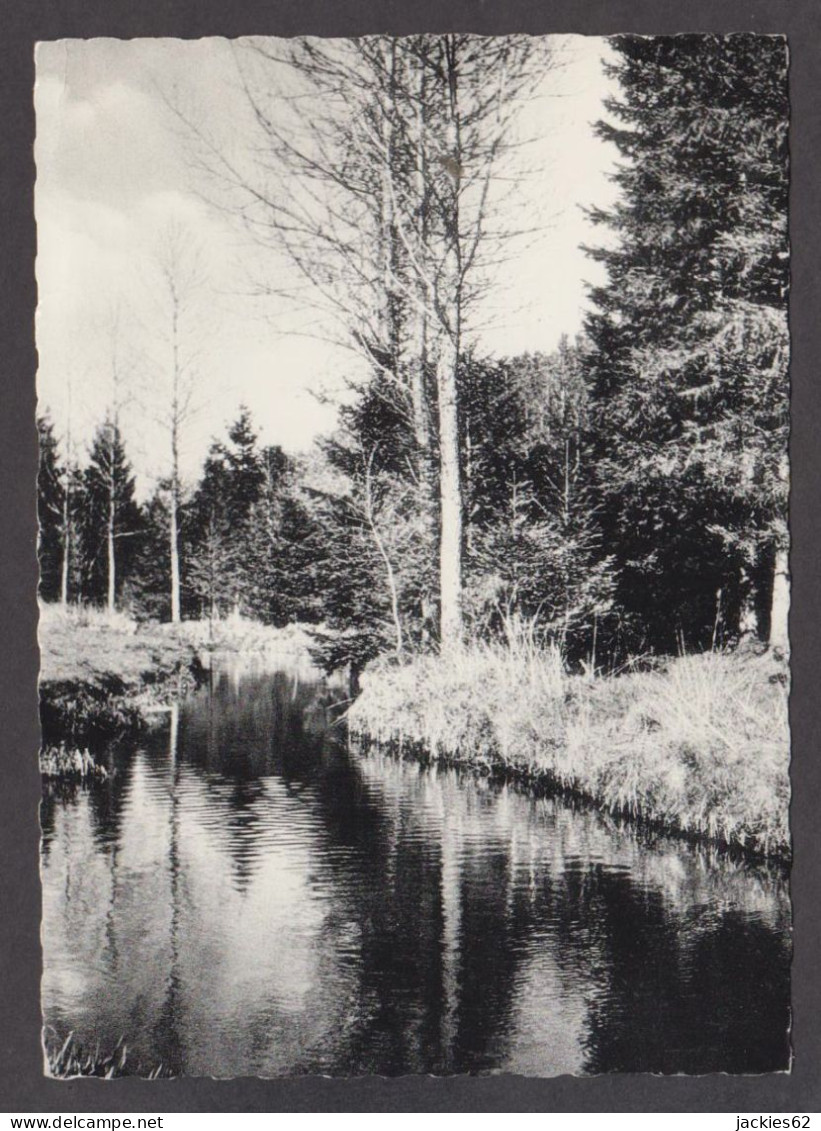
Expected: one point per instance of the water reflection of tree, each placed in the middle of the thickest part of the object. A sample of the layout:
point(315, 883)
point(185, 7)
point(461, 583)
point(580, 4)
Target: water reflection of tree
point(684, 967)
point(637, 932)
point(105, 801)
point(170, 1021)
point(463, 912)
point(684, 998)
point(396, 885)
point(400, 970)
point(441, 906)
point(103, 910)
point(269, 725)
point(437, 945)
point(47, 824)
point(278, 727)
point(104, 805)
point(684, 954)
point(255, 732)
point(427, 1002)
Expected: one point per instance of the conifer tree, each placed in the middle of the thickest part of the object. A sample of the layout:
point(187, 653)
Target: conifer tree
point(280, 545)
point(689, 338)
point(51, 498)
point(243, 466)
point(535, 547)
point(111, 517)
point(210, 545)
point(152, 558)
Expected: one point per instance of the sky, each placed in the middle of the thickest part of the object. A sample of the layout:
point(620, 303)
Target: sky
point(114, 168)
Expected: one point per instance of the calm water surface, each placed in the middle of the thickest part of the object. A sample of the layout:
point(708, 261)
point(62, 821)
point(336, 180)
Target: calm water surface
point(245, 896)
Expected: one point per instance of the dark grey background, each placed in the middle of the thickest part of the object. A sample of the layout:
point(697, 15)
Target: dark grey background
point(22, 1087)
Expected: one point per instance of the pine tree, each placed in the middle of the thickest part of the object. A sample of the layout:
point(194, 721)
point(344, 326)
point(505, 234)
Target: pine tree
point(111, 517)
point(210, 548)
point(210, 576)
point(689, 339)
point(281, 544)
point(73, 572)
point(233, 525)
point(374, 547)
point(152, 559)
point(51, 500)
point(244, 467)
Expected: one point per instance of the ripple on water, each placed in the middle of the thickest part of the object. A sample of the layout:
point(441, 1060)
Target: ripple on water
point(245, 895)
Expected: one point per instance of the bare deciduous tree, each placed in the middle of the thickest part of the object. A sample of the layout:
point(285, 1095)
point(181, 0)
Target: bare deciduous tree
point(119, 359)
point(377, 181)
point(178, 334)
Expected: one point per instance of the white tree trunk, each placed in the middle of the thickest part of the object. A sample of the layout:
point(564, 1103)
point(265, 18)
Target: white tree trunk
point(175, 557)
point(112, 575)
point(450, 499)
point(451, 934)
point(174, 732)
point(66, 549)
point(173, 531)
point(449, 305)
point(780, 609)
point(418, 391)
point(748, 626)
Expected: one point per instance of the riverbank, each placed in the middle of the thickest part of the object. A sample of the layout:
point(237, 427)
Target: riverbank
point(102, 676)
point(698, 746)
point(238, 634)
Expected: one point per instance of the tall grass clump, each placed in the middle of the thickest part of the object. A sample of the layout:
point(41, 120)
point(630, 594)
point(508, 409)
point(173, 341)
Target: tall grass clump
point(702, 746)
point(484, 704)
point(71, 617)
point(67, 763)
point(71, 1059)
point(699, 746)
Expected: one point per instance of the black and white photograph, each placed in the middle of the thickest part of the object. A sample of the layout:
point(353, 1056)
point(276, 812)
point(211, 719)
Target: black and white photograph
point(413, 419)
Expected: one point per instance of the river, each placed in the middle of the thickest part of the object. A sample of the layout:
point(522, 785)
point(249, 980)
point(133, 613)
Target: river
point(246, 895)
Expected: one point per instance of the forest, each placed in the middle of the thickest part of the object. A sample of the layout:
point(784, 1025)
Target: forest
point(619, 500)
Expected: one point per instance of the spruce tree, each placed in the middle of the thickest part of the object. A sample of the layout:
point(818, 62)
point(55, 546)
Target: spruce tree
point(210, 547)
point(51, 498)
point(111, 518)
point(243, 464)
point(152, 558)
point(689, 335)
point(232, 525)
point(279, 563)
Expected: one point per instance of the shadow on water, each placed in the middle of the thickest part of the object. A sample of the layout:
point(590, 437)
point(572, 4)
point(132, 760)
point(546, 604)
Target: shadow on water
point(246, 895)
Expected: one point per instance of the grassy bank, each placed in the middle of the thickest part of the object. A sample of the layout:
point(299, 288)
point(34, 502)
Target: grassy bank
point(100, 677)
point(699, 746)
point(103, 675)
point(238, 634)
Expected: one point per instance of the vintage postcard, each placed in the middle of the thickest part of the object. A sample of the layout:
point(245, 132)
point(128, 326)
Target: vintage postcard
point(413, 419)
